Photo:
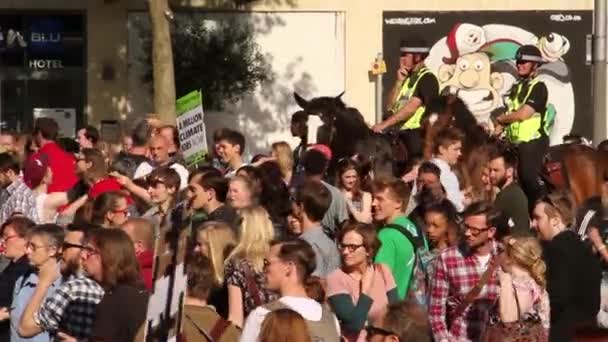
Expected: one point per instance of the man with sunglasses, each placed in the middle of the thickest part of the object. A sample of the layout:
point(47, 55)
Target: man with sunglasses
point(466, 282)
point(527, 123)
point(415, 87)
point(573, 273)
point(70, 309)
point(43, 250)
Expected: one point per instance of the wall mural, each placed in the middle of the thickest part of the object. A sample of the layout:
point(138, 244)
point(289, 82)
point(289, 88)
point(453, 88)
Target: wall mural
point(473, 55)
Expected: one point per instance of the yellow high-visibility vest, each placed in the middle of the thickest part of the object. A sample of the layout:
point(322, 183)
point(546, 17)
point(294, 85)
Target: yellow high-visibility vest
point(526, 130)
point(404, 96)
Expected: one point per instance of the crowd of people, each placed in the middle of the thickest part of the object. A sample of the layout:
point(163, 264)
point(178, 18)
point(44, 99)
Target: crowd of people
point(284, 248)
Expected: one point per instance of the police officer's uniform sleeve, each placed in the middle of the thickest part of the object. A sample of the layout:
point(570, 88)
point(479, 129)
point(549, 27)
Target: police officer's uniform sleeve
point(538, 98)
point(427, 89)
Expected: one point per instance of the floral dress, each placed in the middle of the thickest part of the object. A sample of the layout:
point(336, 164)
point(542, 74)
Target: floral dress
point(237, 271)
point(541, 307)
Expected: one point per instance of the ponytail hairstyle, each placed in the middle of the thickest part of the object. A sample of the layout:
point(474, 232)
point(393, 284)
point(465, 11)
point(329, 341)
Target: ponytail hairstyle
point(301, 254)
point(526, 252)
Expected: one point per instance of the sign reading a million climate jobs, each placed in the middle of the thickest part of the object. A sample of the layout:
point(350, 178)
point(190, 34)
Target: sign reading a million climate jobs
point(191, 126)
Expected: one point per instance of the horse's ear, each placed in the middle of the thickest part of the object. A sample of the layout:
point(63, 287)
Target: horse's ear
point(339, 97)
point(300, 100)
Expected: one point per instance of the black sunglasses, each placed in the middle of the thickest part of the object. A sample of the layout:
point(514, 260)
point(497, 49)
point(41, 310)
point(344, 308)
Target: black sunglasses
point(67, 245)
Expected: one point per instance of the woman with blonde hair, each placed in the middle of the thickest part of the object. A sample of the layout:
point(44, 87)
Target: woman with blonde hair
point(216, 240)
point(284, 325)
point(523, 295)
point(281, 152)
point(244, 270)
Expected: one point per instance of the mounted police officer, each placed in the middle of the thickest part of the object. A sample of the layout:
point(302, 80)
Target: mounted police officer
point(416, 86)
point(526, 122)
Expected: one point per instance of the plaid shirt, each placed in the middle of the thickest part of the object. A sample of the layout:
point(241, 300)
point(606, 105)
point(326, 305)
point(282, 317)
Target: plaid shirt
point(455, 275)
point(71, 308)
point(21, 199)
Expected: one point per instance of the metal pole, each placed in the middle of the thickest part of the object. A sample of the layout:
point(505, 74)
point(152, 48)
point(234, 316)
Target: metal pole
point(599, 71)
point(379, 110)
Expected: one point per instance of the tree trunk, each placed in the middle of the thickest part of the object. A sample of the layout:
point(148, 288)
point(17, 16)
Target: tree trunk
point(162, 62)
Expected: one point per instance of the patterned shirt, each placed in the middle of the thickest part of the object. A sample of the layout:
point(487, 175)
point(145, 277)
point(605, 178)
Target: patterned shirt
point(21, 199)
point(71, 308)
point(456, 273)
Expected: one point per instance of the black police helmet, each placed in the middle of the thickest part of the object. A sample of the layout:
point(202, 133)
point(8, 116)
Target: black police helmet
point(414, 45)
point(529, 53)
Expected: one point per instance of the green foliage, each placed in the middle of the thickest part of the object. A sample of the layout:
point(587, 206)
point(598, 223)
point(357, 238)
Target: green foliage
point(220, 57)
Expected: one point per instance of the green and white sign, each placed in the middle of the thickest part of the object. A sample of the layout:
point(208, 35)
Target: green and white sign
point(191, 126)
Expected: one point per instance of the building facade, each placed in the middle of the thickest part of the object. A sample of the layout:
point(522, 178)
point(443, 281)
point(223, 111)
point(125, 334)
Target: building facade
point(75, 59)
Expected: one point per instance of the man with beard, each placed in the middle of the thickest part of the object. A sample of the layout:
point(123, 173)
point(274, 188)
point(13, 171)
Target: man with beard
point(466, 279)
point(71, 308)
point(511, 200)
point(17, 197)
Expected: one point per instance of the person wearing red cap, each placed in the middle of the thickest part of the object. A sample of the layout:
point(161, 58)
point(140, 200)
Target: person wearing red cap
point(323, 149)
point(37, 175)
point(415, 87)
point(61, 162)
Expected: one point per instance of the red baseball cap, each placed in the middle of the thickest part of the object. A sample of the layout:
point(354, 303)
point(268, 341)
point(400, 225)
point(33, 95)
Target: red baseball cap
point(34, 170)
point(323, 149)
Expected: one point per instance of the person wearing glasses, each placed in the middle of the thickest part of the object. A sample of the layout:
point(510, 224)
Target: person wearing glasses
point(109, 259)
point(289, 266)
point(311, 202)
point(70, 309)
point(109, 210)
point(13, 240)
point(360, 290)
point(573, 272)
point(459, 270)
point(43, 250)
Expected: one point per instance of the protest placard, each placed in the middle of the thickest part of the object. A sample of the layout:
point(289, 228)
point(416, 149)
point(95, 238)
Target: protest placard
point(191, 127)
point(164, 315)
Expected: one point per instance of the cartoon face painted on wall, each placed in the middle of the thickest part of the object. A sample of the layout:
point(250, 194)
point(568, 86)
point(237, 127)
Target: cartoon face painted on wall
point(472, 79)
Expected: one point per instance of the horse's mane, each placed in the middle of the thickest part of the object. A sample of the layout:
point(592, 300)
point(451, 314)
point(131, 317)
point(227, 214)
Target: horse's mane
point(463, 119)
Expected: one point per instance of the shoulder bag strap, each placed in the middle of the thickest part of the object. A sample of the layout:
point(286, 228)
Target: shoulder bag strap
point(474, 293)
point(252, 287)
point(517, 303)
point(219, 328)
point(200, 330)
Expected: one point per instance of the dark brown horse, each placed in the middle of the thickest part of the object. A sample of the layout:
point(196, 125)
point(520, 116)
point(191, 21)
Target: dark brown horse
point(578, 168)
point(348, 135)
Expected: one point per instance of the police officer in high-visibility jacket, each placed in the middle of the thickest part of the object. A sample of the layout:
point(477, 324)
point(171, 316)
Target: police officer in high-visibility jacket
point(525, 123)
point(415, 87)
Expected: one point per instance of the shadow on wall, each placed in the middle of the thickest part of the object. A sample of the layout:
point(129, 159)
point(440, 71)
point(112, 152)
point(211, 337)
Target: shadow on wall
point(285, 39)
point(264, 117)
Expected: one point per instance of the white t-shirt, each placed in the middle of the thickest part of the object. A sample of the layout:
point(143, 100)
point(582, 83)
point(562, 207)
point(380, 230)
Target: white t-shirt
point(310, 309)
point(483, 261)
point(145, 168)
point(450, 183)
